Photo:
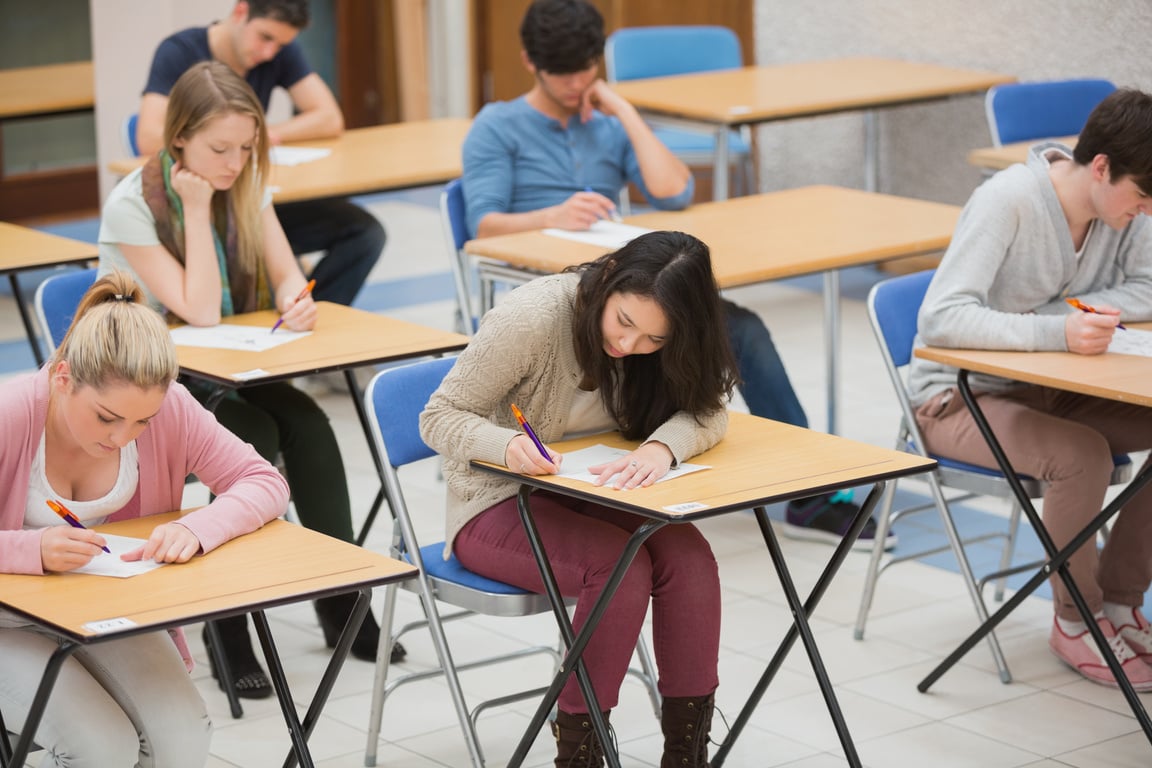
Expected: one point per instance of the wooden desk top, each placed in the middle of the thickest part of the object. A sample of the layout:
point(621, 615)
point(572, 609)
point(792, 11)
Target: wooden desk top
point(29, 91)
point(1116, 377)
point(23, 248)
point(280, 563)
point(374, 159)
point(344, 338)
point(776, 92)
point(998, 158)
point(766, 237)
point(758, 462)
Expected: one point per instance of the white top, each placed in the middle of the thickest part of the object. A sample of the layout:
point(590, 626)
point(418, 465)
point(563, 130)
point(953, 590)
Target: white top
point(39, 515)
point(588, 416)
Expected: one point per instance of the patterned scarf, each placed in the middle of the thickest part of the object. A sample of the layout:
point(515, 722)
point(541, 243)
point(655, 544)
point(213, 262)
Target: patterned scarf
point(240, 291)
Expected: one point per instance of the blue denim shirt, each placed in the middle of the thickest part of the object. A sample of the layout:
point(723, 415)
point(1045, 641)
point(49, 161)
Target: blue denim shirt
point(516, 159)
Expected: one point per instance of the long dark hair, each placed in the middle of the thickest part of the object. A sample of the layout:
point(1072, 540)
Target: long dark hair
point(694, 370)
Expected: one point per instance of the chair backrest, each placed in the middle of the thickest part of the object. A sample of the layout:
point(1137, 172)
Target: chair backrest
point(128, 135)
point(455, 225)
point(1042, 110)
point(394, 399)
point(57, 299)
point(893, 305)
point(636, 52)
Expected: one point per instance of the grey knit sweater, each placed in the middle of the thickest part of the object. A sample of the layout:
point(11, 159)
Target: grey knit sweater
point(1011, 264)
point(523, 354)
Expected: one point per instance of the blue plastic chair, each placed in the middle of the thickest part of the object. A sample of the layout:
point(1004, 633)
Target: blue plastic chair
point(128, 135)
point(633, 53)
point(893, 306)
point(1042, 110)
point(56, 301)
point(455, 225)
point(394, 399)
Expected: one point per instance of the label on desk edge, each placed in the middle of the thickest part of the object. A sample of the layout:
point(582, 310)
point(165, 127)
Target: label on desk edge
point(686, 506)
point(255, 373)
point(109, 625)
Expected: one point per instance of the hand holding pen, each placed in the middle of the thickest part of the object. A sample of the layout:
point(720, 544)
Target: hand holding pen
point(527, 463)
point(1092, 310)
point(64, 548)
point(307, 290)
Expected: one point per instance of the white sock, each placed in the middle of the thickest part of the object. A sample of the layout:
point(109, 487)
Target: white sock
point(1071, 627)
point(1118, 614)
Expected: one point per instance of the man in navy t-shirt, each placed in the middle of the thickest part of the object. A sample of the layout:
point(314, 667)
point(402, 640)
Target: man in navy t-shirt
point(258, 41)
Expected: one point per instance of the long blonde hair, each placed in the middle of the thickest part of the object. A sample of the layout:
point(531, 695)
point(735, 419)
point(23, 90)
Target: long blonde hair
point(116, 337)
point(205, 91)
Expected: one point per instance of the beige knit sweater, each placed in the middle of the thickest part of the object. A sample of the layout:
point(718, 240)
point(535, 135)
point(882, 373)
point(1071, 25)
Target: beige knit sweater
point(522, 354)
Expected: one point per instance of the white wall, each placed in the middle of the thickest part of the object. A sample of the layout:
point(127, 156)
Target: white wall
point(923, 148)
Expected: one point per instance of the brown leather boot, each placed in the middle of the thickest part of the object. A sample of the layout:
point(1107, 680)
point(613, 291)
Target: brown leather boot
point(686, 721)
point(576, 742)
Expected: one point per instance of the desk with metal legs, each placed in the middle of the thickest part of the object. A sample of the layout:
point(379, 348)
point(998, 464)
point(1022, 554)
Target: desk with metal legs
point(1111, 376)
point(758, 462)
point(278, 564)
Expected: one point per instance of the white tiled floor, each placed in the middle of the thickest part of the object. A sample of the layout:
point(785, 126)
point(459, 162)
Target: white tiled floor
point(1047, 717)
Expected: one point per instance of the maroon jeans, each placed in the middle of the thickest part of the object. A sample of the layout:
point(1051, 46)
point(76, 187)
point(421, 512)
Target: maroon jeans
point(675, 568)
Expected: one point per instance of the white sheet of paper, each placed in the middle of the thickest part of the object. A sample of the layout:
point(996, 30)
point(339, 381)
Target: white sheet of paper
point(1131, 342)
point(105, 564)
point(576, 463)
point(296, 155)
point(607, 234)
point(249, 337)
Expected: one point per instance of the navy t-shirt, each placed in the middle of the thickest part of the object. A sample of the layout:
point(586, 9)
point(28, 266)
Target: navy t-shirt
point(180, 51)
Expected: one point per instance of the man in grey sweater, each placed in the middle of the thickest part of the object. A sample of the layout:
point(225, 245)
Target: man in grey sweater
point(1068, 224)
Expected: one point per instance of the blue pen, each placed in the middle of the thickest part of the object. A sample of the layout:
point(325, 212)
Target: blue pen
point(615, 215)
point(69, 518)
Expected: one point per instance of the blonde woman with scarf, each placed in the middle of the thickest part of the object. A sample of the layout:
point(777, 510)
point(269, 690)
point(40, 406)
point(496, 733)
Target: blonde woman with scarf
point(196, 227)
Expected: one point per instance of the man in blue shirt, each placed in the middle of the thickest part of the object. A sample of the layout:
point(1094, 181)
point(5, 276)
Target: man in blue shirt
point(258, 41)
point(557, 157)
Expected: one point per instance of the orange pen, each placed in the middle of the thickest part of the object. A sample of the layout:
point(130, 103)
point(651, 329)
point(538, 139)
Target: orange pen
point(1090, 309)
point(68, 517)
point(307, 290)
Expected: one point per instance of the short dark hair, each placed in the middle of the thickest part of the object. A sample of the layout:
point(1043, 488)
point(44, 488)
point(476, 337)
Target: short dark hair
point(1121, 128)
point(562, 36)
point(694, 370)
point(294, 13)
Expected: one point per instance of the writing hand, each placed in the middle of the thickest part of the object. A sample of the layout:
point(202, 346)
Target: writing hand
point(1090, 333)
point(581, 211)
point(522, 456)
point(299, 314)
point(639, 469)
point(63, 548)
point(169, 543)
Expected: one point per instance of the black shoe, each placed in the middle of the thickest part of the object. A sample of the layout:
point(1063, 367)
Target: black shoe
point(827, 518)
point(248, 678)
point(333, 613)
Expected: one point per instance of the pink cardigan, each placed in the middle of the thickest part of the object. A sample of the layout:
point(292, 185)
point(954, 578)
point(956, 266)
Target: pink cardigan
point(182, 439)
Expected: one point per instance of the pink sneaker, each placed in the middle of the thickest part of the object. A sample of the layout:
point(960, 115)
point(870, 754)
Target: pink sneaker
point(1080, 653)
point(1137, 633)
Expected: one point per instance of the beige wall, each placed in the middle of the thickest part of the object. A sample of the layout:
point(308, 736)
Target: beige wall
point(922, 148)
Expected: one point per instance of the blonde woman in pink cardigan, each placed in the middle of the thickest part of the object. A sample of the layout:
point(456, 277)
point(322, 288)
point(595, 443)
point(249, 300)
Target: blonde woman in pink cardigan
point(104, 429)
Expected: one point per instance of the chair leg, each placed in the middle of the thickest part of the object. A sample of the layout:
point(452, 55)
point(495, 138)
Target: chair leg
point(383, 658)
point(883, 523)
point(1009, 550)
point(647, 674)
point(5, 744)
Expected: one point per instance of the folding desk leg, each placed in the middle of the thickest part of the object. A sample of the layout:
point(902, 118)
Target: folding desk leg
point(831, 293)
point(720, 164)
point(1057, 558)
point(40, 703)
point(223, 668)
point(800, 614)
point(331, 672)
point(576, 643)
point(25, 318)
point(5, 745)
point(283, 694)
point(362, 414)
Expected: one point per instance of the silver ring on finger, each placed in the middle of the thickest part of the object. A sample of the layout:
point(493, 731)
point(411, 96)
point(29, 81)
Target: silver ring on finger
point(523, 467)
point(633, 464)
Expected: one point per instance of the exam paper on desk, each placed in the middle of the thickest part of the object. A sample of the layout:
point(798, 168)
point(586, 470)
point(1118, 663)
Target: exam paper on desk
point(253, 338)
point(105, 564)
point(283, 155)
point(1132, 342)
point(575, 464)
point(607, 234)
